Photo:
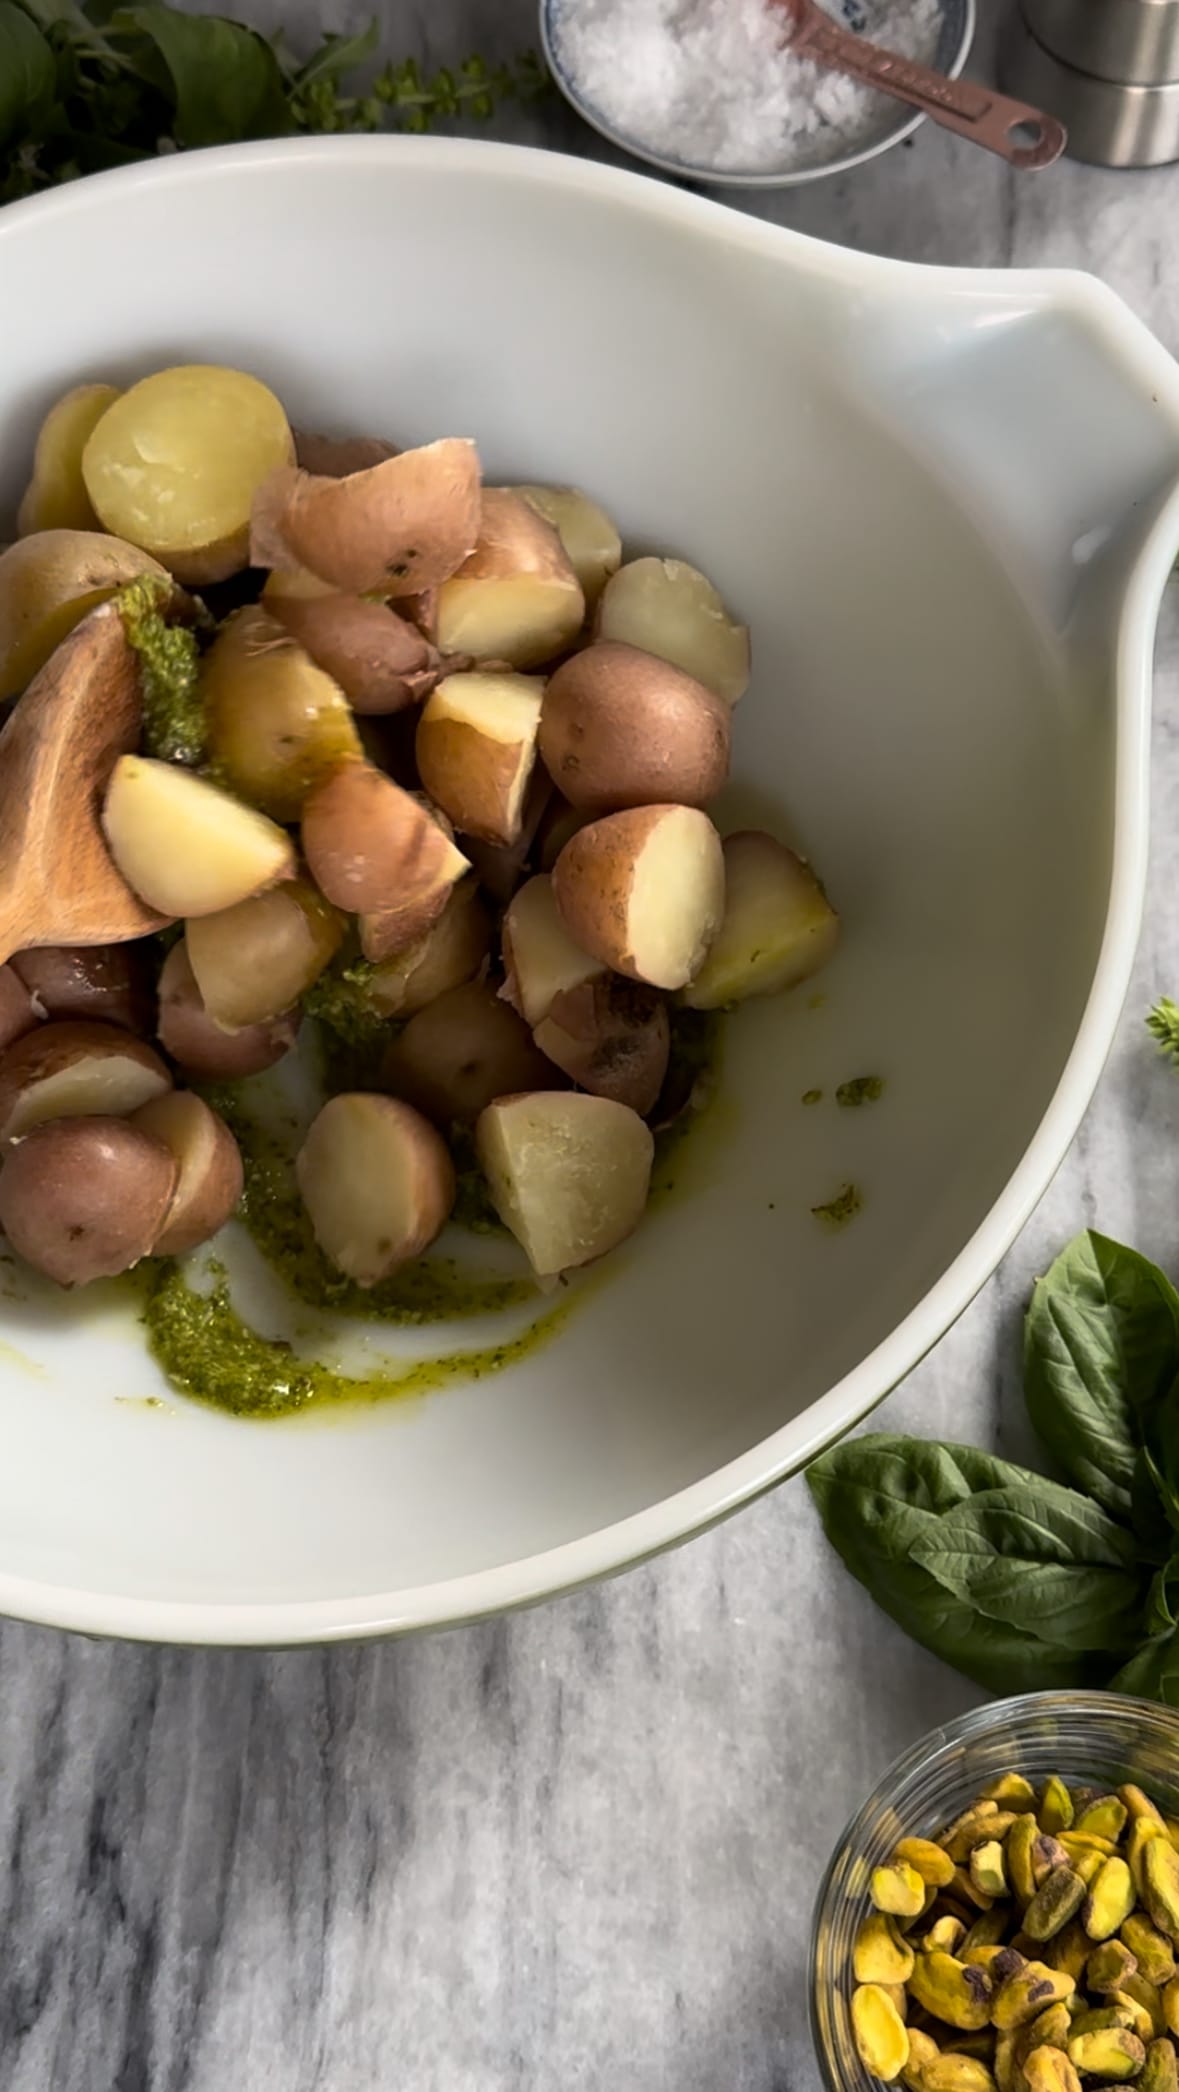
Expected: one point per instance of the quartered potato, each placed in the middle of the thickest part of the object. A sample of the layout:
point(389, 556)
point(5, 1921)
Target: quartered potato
point(56, 497)
point(644, 892)
point(377, 1182)
point(86, 1198)
point(591, 542)
point(277, 724)
point(204, 1049)
point(671, 609)
point(568, 1174)
point(516, 598)
point(76, 1070)
point(778, 926)
point(183, 845)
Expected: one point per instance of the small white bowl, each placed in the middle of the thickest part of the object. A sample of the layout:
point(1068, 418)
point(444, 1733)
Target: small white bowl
point(816, 155)
point(947, 504)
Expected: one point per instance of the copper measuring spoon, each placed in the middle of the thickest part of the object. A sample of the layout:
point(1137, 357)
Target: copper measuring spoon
point(990, 119)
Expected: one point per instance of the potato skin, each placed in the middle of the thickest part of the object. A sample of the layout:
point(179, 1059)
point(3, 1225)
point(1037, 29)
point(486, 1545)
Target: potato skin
point(200, 1047)
point(85, 1198)
point(380, 661)
point(17, 1014)
point(612, 1037)
point(51, 1050)
point(620, 728)
point(396, 529)
point(48, 582)
point(334, 457)
point(619, 896)
point(377, 1181)
point(108, 982)
point(208, 1162)
point(464, 1049)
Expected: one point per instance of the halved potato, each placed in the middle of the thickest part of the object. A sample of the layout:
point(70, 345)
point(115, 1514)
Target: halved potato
point(252, 962)
point(334, 457)
point(517, 598)
point(541, 959)
point(377, 851)
point(380, 661)
point(208, 1169)
point(56, 497)
point(277, 723)
point(108, 982)
point(451, 952)
point(201, 1048)
point(568, 1174)
point(393, 530)
point(377, 1182)
point(621, 728)
point(592, 544)
point(476, 746)
point(76, 1070)
point(183, 845)
point(611, 1037)
point(671, 609)
point(85, 1198)
point(644, 892)
point(17, 1011)
point(778, 926)
point(463, 1049)
point(48, 582)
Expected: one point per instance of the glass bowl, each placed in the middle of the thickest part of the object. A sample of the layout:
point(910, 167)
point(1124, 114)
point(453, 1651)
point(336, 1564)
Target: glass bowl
point(1102, 1739)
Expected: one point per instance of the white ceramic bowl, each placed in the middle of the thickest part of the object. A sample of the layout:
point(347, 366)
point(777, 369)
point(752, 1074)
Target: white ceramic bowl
point(947, 504)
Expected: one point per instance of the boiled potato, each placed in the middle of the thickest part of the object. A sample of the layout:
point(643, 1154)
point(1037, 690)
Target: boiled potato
point(201, 1048)
point(476, 746)
point(85, 1198)
point(183, 845)
point(175, 463)
point(377, 1183)
point(75, 1070)
point(393, 530)
point(463, 1049)
point(47, 584)
point(560, 823)
point(644, 892)
point(277, 723)
point(568, 1174)
point(452, 951)
point(376, 850)
point(777, 929)
point(670, 609)
point(56, 497)
point(611, 1037)
point(105, 981)
point(17, 1011)
point(208, 1169)
point(517, 598)
point(621, 728)
point(252, 962)
point(334, 457)
point(541, 960)
point(379, 660)
point(592, 544)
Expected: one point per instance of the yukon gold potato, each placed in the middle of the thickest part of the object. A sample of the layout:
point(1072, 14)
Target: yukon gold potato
point(670, 609)
point(592, 544)
point(85, 1198)
point(333, 457)
point(568, 1174)
point(183, 845)
point(378, 852)
point(18, 1014)
point(254, 961)
point(104, 981)
point(56, 497)
point(644, 892)
point(377, 1183)
point(541, 960)
point(392, 530)
point(476, 745)
point(517, 598)
point(462, 1050)
point(277, 723)
point(175, 462)
point(379, 660)
point(76, 1070)
point(208, 1169)
point(451, 952)
point(621, 728)
point(200, 1047)
point(48, 582)
point(778, 926)
point(611, 1037)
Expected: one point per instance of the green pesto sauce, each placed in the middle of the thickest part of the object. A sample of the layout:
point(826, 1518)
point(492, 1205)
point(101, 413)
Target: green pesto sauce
point(841, 1209)
point(201, 1343)
point(174, 726)
point(862, 1089)
point(693, 1070)
point(339, 1000)
point(812, 1096)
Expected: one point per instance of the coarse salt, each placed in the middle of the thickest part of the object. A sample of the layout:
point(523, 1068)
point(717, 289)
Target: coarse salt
point(709, 83)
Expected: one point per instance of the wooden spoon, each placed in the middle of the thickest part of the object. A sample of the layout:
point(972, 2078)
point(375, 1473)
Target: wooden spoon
point(58, 883)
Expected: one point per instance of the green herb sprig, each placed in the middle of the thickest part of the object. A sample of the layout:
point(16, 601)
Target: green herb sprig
point(85, 86)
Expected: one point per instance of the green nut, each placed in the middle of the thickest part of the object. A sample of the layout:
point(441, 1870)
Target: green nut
point(1079, 1843)
point(932, 1862)
point(1052, 1906)
point(947, 1936)
point(1110, 2053)
point(964, 1890)
point(1050, 2028)
point(1020, 1840)
point(897, 1891)
point(1102, 2017)
point(966, 1830)
point(1143, 1833)
point(1008, 2074)
point(952, 1990)
point(1109, 1966)
point(1139, 1804)
point(1047, 1855)
point(1161, 2073)
point(1069, 1951)
point(987, 1870)
point(1139, 2017)
point(1160, 1884)
point(1170, 2003)
point(1056, 1807)
point(1025, 1995)
point(981, 1957)
point(980, 2043)
point(1048, 2069)
point(957, 2073)
point(987, 1929)
point(1103, 1818)
point(923, 2049)
point(1152, 1950)
point(882, 2042)
point(881, 1953)
point(1110, 1901)
point(1012, 1791)
point(1139, 1990)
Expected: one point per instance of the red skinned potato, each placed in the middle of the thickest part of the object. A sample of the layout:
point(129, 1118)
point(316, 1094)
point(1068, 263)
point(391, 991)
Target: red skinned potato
point(380, 661)
point(377, 1182)
point(591, 542)
point(568, 1174)
point(611, 1037)
point(108, 982)
point(476, 746)
point(85, 1198)
point(76, 1070)
point(620, 728)
point(516, 599)
point(541, 960)
point(500, 866)
point(778, 926)
point(463, 1049)
point(644, 892)
point(208, 1169)
point(17, 1012)
point(334, 457)
point(451, 952)
point(398, 528)
point(377, 852)
point(278, 723)
point(671, 609)
point(252, 963)
point(201, 1048)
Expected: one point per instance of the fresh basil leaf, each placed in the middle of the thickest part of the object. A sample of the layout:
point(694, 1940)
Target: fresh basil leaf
point(1154, 1673)
point(1101, 1349)
point(338, 55)
point(1162, 1436)
point(1153, 1531)
point(225, 77)
point(28, 76)
point(1162, 1603)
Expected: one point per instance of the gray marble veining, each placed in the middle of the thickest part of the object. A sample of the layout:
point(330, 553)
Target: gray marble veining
point(573, 1851)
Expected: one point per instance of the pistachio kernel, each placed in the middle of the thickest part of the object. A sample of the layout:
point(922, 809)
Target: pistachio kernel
point(1049, 2028)
point(930, 1861)
point(1020, 1840)
point(881, 1953)
point(1170, 2002)
point(1054, 1903)
point(987, 1870)
point(1109, 1966)
point(1103, 1818)
point(1161, 2071)
point(1160, 1883)
point(1055, 1812)
point(1142, 1992)
point(1139, 1804)
point(923, 2050)
point(957, 2073)
point(1110, 2053)
point(1110, 1901)
point(952, 1990)
point(1025, 1995)
point(897, 1891)
point(1152, 1950)
point(1048, 2069)
point(1138, 2017)
point(1008, 2074)
point(1010, 1791)
point(882, 2042)
point(947, 1936)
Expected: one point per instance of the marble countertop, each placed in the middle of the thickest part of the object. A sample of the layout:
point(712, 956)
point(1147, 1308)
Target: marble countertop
point(577, 1848)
